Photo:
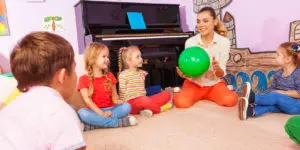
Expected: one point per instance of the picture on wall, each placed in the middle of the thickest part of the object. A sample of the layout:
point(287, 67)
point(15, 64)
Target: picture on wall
point(4, 29)
point(53, 23)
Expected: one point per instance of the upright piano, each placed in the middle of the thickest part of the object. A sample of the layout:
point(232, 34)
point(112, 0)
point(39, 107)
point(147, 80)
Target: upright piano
point(160, 43)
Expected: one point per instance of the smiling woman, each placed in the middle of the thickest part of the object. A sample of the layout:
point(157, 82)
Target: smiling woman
point(209, 86)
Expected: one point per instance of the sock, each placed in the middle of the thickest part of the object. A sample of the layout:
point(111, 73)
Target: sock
point(166, 107)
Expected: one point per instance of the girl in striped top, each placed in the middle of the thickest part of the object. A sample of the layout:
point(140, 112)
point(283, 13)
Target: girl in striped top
point(132, 85)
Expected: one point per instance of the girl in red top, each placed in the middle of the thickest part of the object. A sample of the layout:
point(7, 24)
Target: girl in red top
point(98, 90)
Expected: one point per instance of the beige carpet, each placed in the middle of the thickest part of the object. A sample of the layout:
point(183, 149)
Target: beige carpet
point(204, 126)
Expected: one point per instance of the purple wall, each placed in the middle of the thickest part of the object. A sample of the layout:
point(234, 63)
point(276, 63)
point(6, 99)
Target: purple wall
point(262, 25)
point(24, 17)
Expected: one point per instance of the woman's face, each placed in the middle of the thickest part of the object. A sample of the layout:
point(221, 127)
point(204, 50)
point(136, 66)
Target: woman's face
point(205, 23)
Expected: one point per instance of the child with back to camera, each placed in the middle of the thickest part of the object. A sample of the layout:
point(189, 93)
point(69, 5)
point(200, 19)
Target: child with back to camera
point(43, 65)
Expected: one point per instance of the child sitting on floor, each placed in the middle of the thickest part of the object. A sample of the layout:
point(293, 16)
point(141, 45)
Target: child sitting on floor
point(98, 89)
point(132, 85)
point(284, 93)
point(44, 67)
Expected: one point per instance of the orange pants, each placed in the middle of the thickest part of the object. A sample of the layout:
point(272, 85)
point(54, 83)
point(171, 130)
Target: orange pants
point(191, 93)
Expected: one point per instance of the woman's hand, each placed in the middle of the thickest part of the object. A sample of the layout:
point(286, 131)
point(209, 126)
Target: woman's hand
point(182, 75)
point(216, 67)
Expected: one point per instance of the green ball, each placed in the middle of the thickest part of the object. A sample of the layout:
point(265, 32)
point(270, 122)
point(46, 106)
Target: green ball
point(193, 61)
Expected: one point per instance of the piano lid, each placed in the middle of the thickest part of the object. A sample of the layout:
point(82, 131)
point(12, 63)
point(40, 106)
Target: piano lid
point(101, 17)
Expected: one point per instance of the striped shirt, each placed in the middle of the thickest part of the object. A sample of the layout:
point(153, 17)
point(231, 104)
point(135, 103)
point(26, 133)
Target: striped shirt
point(132, 84)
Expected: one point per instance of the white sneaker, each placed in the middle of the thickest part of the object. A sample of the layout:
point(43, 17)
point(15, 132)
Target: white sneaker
point(176, 89)
point(132, 120)
point(246, 89)
point(146, 113)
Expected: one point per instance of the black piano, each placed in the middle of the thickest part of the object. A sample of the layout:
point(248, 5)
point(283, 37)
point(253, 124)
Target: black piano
point(160, 43)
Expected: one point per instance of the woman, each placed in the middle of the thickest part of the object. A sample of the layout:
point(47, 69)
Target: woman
point(208, 86)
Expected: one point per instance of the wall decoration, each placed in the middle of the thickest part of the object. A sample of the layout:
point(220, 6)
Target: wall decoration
point(4, 29)
point(215, 4)
point(53, 23)
point(295, 31)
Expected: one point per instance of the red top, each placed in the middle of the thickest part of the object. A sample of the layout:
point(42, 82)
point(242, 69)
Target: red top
point(102, 92)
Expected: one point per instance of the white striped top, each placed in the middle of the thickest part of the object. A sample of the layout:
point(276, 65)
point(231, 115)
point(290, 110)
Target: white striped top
point(132, 84)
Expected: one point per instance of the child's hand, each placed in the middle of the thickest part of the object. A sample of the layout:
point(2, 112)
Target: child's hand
point(107, 114)
point(118, 102)
point(279, 91)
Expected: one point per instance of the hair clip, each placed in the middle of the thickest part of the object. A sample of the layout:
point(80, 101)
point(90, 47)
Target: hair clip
point(123, 48)
point(296, 48)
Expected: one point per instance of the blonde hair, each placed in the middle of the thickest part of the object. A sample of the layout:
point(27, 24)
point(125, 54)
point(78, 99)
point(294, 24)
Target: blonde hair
point(91, 55)
point(124, 54)
point(220, 28)
point(292, 49)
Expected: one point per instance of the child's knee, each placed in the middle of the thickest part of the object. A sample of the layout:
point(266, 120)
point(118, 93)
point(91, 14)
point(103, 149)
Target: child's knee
point(166, 95)
point(83, 113)
point(125, 108)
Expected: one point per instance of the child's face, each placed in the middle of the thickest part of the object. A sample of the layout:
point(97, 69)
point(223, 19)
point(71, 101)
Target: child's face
point(282, 58)
point(135, 60)
point(205, 23)
point(103, 59)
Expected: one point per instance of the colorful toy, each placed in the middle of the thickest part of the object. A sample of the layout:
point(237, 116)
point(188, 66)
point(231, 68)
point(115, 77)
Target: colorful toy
point(14, 93)
point(292, 128)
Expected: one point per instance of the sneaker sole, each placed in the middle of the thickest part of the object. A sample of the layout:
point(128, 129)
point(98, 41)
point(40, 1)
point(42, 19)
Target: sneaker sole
point(133, 121)
point(146, 114)
point(247, 92)
point(243, 106)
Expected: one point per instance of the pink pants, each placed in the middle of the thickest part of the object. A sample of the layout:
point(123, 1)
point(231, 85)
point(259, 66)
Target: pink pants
point(152, 103)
